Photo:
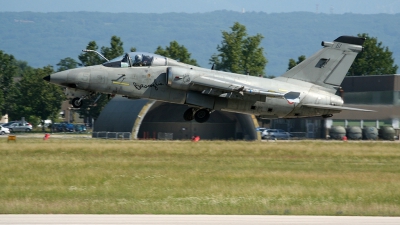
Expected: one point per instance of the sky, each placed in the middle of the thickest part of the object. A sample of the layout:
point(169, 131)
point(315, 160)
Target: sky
point(203, 6)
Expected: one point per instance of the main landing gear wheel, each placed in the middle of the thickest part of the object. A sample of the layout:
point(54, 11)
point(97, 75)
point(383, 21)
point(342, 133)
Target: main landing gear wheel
point(202, 115)
point(189, 114)
point(76, 102)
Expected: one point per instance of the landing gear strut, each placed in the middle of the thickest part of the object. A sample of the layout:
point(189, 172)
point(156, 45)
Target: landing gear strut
point(200, 115)
point(77, 102)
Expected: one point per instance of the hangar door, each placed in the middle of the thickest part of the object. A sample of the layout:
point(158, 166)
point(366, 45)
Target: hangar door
point(168, 118)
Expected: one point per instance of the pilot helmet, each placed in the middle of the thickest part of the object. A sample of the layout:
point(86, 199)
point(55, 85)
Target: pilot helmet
point(138, 58)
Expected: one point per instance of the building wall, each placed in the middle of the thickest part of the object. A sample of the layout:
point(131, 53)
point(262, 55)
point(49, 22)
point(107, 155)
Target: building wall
point(184, 130)
point(380, 93)
point(371, 83)
point(373, 97)
point(372, 90)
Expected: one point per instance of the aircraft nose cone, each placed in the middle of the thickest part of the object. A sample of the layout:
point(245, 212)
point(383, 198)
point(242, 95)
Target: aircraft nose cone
point(57, 78)
point(47, 78)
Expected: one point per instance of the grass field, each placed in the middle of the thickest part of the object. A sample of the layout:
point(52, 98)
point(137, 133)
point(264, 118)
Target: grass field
point(156, 177)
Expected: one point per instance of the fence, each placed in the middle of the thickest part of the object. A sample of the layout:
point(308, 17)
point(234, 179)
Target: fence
point(165, 136)
point(112, 135)
point(301, 135)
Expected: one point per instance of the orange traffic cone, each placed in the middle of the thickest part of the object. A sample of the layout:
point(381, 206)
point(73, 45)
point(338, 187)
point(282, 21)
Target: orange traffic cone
point(196, 138)
point(46, 136)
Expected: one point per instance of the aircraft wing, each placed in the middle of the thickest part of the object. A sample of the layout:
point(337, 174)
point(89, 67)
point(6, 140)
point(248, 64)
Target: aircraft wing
point(242, 88)
point(339, 108)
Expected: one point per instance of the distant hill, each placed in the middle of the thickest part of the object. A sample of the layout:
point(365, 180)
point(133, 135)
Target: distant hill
point(45, 38)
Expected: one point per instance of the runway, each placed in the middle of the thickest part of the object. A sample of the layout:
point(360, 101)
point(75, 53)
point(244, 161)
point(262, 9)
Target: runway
point(193, 219)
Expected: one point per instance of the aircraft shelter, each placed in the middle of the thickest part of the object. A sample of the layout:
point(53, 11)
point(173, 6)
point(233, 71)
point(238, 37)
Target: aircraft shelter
point(380, 93)
point(148, 119)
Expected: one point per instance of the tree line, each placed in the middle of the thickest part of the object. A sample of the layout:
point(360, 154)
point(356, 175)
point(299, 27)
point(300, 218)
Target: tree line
point(375, 59)
point(23, 93)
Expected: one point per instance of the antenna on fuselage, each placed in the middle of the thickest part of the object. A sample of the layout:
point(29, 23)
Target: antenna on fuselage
point(98, 53)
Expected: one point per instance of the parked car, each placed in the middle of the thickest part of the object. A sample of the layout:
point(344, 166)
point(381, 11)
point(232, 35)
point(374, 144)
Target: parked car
point(4, 130)
point(62, 127)
point(260, 129)
point(16, 126)
point(17, 121)
point(80, 128)
point(68, 127)
point(275, 134)
point(9, 123)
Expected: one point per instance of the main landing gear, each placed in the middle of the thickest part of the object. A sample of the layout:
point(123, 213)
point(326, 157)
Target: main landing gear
point(200, 115)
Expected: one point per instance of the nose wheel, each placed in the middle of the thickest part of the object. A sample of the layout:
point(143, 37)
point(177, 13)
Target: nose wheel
point(77, 102)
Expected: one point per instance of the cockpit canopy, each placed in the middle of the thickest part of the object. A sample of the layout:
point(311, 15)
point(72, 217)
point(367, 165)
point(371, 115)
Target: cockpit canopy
point(136, 59)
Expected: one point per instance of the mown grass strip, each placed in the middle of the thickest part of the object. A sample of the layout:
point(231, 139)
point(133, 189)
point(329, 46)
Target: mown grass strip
point(136, 177)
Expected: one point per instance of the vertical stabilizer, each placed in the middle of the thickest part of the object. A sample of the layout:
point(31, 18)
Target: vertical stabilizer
point(328, 66)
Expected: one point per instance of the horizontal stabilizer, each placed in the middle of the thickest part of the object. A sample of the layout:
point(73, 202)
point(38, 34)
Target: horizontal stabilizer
point(339, 108)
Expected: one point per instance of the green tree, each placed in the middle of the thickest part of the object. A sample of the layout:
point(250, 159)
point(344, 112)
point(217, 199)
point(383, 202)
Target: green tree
point(375, 59)
point(177, 52)
point(66, 64)
point(293, 63)
point(91, 109)
point(22, 67)
point(93, 105)
point(240, 53)
point(90, 58)
point(115, 50)
point(8, 70)
point(36, 98)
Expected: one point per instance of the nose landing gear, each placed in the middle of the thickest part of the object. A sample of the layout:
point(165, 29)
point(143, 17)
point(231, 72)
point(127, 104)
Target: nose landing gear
point(77, 102)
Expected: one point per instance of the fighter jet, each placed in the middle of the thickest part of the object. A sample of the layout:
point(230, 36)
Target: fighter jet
point(307, 90)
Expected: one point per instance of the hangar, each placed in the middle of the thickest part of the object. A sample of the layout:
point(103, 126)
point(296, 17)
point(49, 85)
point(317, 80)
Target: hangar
point(148, 119)
point(380, 93)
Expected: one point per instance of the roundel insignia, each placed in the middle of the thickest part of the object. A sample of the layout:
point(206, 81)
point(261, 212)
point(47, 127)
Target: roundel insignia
point(186, 79)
